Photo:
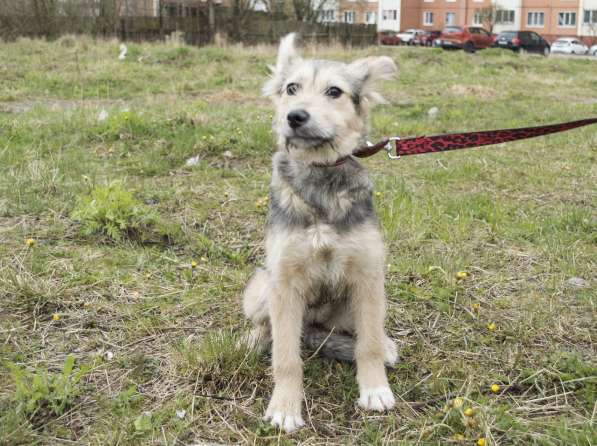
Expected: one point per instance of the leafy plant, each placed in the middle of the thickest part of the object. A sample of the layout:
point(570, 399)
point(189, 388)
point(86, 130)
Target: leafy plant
point(114, 212)
point(42, 391)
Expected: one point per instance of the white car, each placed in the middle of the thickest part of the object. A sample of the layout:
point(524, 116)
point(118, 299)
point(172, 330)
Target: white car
point(593, 50)
point(569, 45)
point(408, 35)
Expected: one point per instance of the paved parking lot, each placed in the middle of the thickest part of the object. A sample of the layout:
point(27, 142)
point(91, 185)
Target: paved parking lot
point(560, 55)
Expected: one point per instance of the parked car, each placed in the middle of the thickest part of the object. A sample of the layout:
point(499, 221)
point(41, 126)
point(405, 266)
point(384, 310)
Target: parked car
point(593, 50)
point(426, 38)
point(470, 38)
point(569, 45)
point(388, 38)
point(409, 35)
point(522, 41)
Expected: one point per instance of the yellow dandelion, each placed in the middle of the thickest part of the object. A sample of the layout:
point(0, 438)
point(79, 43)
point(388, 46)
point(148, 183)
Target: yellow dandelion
point(461, 275)
point(491, 326)
point(378, 194)
point(194, 264)
point(476, 306)
point(469, 412)
point(30, 242)
point(55, 317)
point(495, 388)
point(457, 403)
point(481, 442)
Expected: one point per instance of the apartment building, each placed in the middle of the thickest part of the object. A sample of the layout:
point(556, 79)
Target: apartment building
point(550, 18)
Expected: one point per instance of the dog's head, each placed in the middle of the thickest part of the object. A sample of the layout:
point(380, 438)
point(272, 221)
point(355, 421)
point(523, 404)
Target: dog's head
point(321, 105)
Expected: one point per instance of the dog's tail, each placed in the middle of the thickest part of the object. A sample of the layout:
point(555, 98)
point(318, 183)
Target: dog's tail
point(329, 344)
point(341, 346)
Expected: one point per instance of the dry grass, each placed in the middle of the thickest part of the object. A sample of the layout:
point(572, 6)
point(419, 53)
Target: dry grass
point(159, 335)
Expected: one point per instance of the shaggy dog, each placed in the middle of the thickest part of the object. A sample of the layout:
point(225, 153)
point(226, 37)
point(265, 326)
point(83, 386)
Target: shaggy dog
point(323, 281)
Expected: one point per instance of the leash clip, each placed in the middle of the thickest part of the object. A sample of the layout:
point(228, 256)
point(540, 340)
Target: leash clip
point(388, 148)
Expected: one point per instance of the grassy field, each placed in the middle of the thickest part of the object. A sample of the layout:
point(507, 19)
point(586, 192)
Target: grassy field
point(121, 266)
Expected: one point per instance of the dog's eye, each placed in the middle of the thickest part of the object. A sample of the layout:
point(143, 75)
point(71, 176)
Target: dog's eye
point(333, 92)
point(291, 89)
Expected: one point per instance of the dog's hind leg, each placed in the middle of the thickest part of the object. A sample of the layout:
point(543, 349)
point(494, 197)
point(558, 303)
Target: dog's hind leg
point(255, 305)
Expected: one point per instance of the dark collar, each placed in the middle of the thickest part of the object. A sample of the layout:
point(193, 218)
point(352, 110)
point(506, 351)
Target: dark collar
point(338, 162)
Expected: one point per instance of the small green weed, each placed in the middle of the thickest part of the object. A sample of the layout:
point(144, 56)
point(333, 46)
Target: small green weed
point(40, 394)
point(114, 212)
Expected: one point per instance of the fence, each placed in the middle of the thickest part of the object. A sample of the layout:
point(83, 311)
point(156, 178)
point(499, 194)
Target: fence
point(250, 28)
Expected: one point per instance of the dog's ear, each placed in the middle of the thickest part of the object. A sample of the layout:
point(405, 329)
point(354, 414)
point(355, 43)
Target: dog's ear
point(287, 55)
point(366, 72)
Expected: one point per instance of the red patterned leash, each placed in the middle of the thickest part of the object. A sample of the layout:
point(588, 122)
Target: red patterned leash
point(455, 141)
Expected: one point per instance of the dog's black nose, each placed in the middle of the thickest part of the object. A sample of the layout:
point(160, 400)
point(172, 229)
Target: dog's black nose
point(296, 118)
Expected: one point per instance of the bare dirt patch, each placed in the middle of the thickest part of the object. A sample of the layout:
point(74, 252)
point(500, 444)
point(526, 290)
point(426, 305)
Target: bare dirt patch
point(479, 91)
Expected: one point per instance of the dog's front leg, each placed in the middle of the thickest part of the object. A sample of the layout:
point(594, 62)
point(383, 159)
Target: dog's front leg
point(286, 315)
point(368, 303)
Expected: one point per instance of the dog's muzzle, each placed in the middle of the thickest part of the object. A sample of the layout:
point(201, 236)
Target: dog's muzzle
point(297, 118)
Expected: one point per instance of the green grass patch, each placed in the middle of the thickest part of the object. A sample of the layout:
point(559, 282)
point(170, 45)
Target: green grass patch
point(142, 257)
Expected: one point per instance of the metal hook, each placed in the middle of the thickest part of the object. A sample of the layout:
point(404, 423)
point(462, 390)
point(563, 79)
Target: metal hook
point(388, 148)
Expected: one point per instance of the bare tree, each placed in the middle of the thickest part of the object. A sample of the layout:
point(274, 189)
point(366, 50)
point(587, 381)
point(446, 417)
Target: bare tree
point(488, 15)
point(240, 11)
point(309, 10)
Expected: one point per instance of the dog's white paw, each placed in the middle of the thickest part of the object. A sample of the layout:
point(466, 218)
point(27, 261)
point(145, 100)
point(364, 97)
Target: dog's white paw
point(284, 419)
point(390, 353)
point(378, 398)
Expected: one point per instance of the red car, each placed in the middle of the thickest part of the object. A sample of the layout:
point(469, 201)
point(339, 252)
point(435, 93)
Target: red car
point(427, 38)
point(469, 38)
point(388, 38)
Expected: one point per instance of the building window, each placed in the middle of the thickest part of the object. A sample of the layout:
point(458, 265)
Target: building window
point(348, 16)
point(450, 18)
point(566, 19)
point(590, 17)
point(171, 10)
point(478, 19)
point(370, 17)
point(504, 17)
point(536, 19)
point(427, 18)
point(328, 15)
point(389, 14)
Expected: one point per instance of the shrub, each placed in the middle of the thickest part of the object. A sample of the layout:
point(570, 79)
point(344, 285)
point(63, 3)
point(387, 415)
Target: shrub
point(114, 212)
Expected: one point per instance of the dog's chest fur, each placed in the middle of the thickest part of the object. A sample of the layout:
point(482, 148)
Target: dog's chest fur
point(303, 196)
point(316, 221)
